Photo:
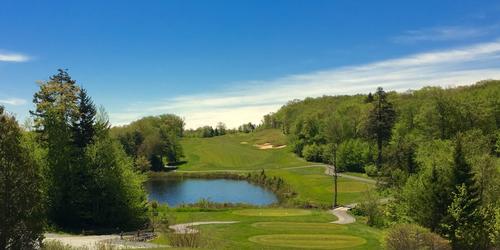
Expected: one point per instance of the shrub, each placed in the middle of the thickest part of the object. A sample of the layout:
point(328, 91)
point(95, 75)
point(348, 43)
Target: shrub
point(371, 170)
point(352, 155)
point(370, 207)
point(313, 152)
point(410, 236)
point(190, 240)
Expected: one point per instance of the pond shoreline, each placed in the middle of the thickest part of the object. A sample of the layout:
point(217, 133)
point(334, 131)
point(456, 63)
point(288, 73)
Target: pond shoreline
point(274, 184)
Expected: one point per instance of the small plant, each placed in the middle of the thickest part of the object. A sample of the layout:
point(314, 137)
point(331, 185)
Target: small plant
point(191, 240)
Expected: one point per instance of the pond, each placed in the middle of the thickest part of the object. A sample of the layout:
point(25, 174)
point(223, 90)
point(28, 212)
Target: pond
point(178, 191)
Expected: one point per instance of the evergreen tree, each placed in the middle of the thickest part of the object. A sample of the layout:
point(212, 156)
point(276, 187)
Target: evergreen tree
point(465, 224)
point(83, 126)
point(380, 122)
point(21, 210)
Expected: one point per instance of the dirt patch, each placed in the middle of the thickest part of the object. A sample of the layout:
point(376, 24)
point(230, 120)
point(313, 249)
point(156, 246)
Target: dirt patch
point(268, 145)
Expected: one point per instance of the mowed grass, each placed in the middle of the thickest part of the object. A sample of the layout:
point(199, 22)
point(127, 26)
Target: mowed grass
point(237, 152)
point(307, 231)
point(314, 187)
point(272, 212)
point(312, 241)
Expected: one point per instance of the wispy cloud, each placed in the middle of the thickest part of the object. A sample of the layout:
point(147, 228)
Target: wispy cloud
point(13, 101)
point(13, 57)
point(444, 33)
point(451, 67)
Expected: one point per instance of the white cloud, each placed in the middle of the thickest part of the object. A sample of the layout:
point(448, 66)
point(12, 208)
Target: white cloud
point(13, 101)
point(13, 57)
point(445, 33)
point(252, 99)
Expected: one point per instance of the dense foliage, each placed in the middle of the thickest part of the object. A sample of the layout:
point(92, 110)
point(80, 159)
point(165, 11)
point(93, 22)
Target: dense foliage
point(436, 151)
point(90, 182)
point(21, 206)
point(152, 141)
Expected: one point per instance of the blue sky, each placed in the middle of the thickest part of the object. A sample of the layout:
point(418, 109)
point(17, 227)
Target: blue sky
point(234, 61)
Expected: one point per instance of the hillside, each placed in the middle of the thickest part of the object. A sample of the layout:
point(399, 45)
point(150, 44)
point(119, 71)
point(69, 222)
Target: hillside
point(238, 152)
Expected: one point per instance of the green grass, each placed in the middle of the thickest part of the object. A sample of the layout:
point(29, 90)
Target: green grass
point(313, 241)
point(228, 153)
point(312, 230)
point(274, 212)
point(313, 186)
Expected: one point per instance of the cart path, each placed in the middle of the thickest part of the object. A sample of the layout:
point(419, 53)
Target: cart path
point(92, 242)
point(342, 215)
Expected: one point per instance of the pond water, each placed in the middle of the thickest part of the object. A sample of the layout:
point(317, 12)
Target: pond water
point(178, 191)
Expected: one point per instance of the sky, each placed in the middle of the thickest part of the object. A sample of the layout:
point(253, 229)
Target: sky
point(235, 61)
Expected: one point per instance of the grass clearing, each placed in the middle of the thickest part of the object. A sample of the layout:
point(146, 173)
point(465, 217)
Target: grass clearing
point(274, 212)
point(313, 241)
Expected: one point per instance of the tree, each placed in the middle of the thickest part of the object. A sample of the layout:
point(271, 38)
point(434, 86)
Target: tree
point(465, 224)
point(335, 135)
point(380, 122)
point(83, 125)
point(56, 107)
point(221, 128)
point(21, 206)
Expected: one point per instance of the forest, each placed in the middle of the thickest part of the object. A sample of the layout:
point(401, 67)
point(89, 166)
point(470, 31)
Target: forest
point(435, 150)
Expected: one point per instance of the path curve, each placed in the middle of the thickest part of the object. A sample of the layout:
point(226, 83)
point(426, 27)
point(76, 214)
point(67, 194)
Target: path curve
point(342, 215)
point(186, 228)
point(92, 242)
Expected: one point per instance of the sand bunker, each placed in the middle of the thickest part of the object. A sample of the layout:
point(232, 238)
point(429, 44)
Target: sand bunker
point(268, 145)
point(243, 142)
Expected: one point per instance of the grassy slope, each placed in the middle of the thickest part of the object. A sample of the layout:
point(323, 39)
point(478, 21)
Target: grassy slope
point(237, 236)
point(228, 153)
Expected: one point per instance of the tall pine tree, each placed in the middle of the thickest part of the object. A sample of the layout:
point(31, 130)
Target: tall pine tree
point(465, 224)
point(83, 126)
point(380, 122)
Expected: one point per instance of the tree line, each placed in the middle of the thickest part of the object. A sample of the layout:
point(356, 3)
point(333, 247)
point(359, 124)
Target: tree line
point(435, 150)
point(153, 141)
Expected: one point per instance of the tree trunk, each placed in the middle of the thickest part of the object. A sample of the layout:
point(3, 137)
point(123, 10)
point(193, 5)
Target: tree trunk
point(335, 178)
point(379, 156)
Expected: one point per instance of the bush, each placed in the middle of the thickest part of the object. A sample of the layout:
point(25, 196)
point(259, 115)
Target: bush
point(190, 239)
point(313, 152)
point(410, 236)
point(371, 170)
point(370, 207)
point(352, 155)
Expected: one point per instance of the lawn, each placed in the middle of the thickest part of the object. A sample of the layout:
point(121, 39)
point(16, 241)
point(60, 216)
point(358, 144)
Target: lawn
point(313, 186)
point(238, 152)
point(271, 228)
